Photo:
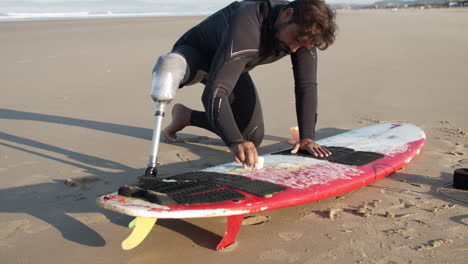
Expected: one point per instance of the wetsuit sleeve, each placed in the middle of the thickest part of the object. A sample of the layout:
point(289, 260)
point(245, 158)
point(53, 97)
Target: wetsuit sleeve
point(238, 47)
point(304, 63)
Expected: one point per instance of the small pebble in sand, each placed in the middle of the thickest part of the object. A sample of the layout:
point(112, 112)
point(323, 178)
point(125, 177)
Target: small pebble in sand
point(333, 213)
point(82, 181)
point(364, 211)
point(71, 183)
point(407, 204)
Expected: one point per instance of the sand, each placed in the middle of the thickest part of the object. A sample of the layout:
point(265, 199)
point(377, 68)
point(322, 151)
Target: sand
point(76, 121)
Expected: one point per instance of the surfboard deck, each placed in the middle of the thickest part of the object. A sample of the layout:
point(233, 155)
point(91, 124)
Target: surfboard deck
point(305, 179)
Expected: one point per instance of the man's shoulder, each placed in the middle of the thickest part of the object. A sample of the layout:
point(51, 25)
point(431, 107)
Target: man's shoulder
point(251, 5)
point(271, 2)
point(247, 8)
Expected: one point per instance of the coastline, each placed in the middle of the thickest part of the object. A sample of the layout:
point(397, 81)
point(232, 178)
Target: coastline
point(31, 17)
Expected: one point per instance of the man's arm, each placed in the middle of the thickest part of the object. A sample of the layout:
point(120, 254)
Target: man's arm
point(238, 47)
point(305, 79)
point(304, 63)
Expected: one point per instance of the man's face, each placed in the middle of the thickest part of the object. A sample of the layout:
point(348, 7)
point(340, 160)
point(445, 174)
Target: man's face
point(287, 38)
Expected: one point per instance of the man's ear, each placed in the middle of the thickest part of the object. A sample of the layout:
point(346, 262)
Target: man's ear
point(287, 13)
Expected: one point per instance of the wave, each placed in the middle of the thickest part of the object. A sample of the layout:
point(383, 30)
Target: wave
point(16, 16)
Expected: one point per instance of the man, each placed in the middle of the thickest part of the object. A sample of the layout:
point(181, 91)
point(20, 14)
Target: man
point(221, 50)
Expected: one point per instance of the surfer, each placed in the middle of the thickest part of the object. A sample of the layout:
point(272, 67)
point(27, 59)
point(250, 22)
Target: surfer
point(221, 50)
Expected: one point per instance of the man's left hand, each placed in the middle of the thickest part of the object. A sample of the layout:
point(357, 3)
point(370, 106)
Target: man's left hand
point(312, 147)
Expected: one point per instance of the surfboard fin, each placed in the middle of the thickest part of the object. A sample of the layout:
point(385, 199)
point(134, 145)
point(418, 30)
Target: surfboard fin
point(143, 226)
point(132, 223)
point(234, 223)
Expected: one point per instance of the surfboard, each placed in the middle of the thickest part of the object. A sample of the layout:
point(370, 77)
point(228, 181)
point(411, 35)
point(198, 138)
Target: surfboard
point(360, 157)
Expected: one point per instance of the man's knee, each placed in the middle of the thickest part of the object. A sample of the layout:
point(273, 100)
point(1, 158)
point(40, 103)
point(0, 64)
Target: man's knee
point(168, 74)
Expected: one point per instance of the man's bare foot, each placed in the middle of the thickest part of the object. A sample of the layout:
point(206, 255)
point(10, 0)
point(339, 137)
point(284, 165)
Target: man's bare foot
point(180, 119)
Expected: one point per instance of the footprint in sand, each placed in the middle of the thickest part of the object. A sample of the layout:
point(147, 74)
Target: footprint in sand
point(256, 220)
point(93, 219)
point(462, 161)
point(290, 236)
point(11, 228)
point(274, 256)
point(455, 153)
point(433, 244)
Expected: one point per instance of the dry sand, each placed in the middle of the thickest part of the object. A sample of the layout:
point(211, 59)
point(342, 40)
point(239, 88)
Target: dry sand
point(75, 105)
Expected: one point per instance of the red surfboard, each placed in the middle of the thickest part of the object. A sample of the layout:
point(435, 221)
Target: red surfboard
point(361, 157)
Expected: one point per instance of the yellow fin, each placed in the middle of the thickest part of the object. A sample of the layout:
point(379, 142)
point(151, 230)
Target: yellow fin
point(132, 223)
point(143, 226)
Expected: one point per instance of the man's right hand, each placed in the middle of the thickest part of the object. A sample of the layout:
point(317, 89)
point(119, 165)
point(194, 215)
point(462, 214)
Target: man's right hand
point(245, 152)
point(311, 147)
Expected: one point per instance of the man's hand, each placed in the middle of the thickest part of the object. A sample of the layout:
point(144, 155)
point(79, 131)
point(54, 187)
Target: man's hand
point(245, 153)
point(312, 147)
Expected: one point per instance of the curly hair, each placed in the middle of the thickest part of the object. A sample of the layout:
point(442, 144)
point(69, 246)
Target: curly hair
point(316, 22)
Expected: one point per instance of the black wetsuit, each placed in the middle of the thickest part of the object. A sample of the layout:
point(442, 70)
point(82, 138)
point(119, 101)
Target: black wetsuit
point(222, 49)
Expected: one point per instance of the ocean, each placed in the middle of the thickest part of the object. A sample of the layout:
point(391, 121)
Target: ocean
point(27, 10)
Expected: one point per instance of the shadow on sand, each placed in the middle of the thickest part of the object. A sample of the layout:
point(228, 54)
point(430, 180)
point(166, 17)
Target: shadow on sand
point(53, 202)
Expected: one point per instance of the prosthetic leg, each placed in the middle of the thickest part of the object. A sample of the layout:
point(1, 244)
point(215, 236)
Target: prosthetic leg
point(168, 74)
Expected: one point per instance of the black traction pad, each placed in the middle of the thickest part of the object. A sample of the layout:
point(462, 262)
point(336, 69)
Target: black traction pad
point(255, 187)
point(199, 188)
point(339, 155)
point(210, 197)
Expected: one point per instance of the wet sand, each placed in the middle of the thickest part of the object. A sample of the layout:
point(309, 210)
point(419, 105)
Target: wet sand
point(76, 122)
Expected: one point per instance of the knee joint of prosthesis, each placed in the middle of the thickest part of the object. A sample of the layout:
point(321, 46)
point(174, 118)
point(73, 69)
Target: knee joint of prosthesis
point(168, 74)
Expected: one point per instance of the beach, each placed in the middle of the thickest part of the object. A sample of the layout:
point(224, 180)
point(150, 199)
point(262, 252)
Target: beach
point(76, 121)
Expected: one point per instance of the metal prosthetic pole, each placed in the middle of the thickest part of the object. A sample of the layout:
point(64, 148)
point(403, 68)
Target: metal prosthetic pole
point(167, 76)
point(153, 157)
